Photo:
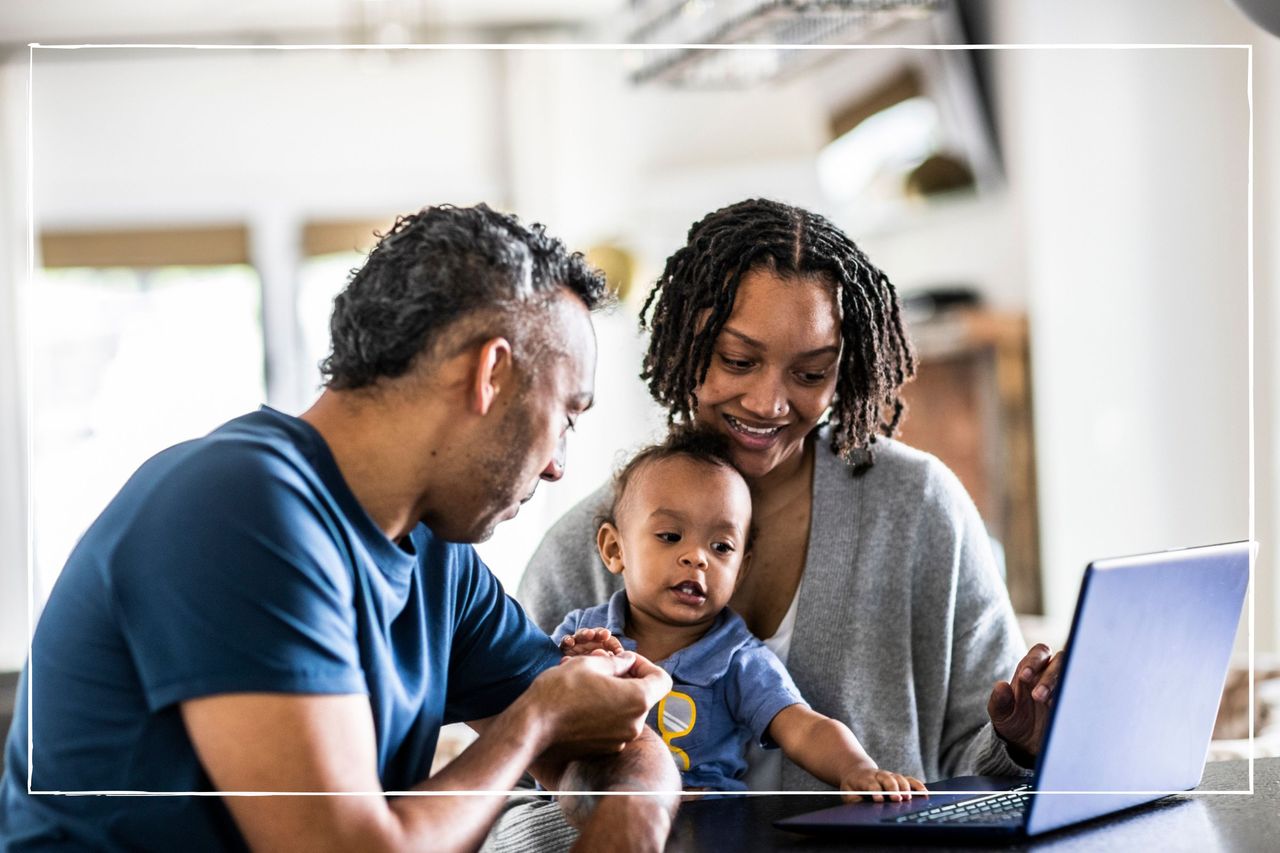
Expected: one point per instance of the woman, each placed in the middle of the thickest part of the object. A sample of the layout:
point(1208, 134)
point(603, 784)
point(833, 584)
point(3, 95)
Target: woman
point(872, 576)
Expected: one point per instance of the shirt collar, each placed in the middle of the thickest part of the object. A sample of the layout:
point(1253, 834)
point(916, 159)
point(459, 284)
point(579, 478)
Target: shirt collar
point(701, 664)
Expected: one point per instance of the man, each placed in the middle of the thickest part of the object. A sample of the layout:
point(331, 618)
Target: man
point(280, 606)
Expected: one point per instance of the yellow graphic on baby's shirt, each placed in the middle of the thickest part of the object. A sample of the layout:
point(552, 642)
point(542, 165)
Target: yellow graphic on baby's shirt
point(677, 713)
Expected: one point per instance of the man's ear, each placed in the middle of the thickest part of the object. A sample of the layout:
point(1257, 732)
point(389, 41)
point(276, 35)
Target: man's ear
point(609, 542)
point(492, 371)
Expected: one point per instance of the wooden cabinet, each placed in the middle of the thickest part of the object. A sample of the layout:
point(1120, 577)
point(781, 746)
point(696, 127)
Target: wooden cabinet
point(970, 405)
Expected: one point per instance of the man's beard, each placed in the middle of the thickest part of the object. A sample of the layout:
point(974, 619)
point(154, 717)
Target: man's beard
point(502, 482)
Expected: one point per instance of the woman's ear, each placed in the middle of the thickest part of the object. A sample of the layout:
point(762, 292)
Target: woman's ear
point(609, 543)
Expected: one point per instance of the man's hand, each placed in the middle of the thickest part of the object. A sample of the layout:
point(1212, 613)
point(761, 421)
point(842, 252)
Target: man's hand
point(896, 786)
point(598, 703)
point(1020, 711)
point(595, 703)
point(586, 641)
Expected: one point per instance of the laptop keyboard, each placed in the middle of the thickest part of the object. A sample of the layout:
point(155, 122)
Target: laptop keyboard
point(999, 808)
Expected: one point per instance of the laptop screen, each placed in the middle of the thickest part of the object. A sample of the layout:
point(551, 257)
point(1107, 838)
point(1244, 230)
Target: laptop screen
point(1146, 662)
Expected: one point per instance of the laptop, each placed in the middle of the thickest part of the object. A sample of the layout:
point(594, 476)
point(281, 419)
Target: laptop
point(1145, 666)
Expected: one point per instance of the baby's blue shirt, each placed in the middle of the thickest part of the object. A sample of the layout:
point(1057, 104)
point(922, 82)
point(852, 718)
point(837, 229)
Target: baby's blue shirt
point(728, 687)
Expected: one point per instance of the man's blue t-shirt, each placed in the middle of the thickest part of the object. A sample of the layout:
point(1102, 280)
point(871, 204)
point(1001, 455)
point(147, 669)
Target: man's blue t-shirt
point(242, 562)
point(726, 689)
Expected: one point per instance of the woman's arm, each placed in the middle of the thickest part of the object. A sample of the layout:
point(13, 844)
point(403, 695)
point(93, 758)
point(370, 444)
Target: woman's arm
point(827, 750)
point(986, 643)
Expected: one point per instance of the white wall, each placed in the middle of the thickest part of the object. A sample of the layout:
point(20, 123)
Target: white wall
point(13, 426)
point(155, 136)
point(1266, 331)
point(1140, 162)
point(1136, 194)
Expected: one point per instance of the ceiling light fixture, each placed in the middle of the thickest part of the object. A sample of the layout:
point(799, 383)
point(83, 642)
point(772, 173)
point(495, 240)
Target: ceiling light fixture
point(761, 30)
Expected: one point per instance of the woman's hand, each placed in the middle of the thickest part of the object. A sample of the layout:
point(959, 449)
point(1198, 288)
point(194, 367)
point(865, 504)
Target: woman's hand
point(1020, 711)
point(896, 786)
point(586, 641)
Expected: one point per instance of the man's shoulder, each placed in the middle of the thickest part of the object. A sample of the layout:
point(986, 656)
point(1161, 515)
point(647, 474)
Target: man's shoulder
point(249, 451)
point(264, 439)
point(203, 481)
point(233, 494)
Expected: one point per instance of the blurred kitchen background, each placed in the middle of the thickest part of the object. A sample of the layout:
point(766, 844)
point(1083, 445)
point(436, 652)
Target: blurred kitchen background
point(1068, 225)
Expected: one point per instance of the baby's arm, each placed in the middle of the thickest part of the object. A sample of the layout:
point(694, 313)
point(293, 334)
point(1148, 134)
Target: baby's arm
point(826, 749)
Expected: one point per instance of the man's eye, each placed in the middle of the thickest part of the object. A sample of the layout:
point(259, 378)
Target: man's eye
point(669, 537)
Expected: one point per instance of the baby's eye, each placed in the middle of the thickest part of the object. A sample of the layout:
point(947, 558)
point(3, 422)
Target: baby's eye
point(723, 547)
point(667, 536)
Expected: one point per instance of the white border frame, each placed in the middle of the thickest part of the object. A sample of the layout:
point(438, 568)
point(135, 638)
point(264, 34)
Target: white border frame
point(33, 47)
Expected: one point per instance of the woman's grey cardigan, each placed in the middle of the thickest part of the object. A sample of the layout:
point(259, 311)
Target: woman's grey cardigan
point(903, 624)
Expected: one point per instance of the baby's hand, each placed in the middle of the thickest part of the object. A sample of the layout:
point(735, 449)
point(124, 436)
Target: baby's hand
point(896, 786)
point(590, 641)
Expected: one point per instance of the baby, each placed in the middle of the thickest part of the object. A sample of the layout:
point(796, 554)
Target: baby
point(679, 534)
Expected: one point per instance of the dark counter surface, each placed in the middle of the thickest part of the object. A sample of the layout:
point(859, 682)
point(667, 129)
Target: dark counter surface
point(1191, 822)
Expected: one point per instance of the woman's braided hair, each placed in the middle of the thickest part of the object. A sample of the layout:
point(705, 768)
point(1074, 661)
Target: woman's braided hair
point(702, 278)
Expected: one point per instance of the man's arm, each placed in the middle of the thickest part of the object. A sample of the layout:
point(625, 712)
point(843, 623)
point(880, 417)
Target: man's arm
point(638, 817)
point(314, 743)
point(637, 821)
point(640, 820)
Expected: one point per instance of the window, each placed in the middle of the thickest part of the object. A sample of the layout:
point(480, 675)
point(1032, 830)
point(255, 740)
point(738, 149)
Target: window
point(321, 279)
point(126, 362)
point(331, 250)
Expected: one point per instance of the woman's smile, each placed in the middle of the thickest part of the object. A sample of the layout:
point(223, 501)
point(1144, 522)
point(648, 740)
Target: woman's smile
point(752, 437)
point(772, 377)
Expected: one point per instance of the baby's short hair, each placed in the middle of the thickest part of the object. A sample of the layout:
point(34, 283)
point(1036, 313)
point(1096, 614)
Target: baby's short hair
point(692, 441)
